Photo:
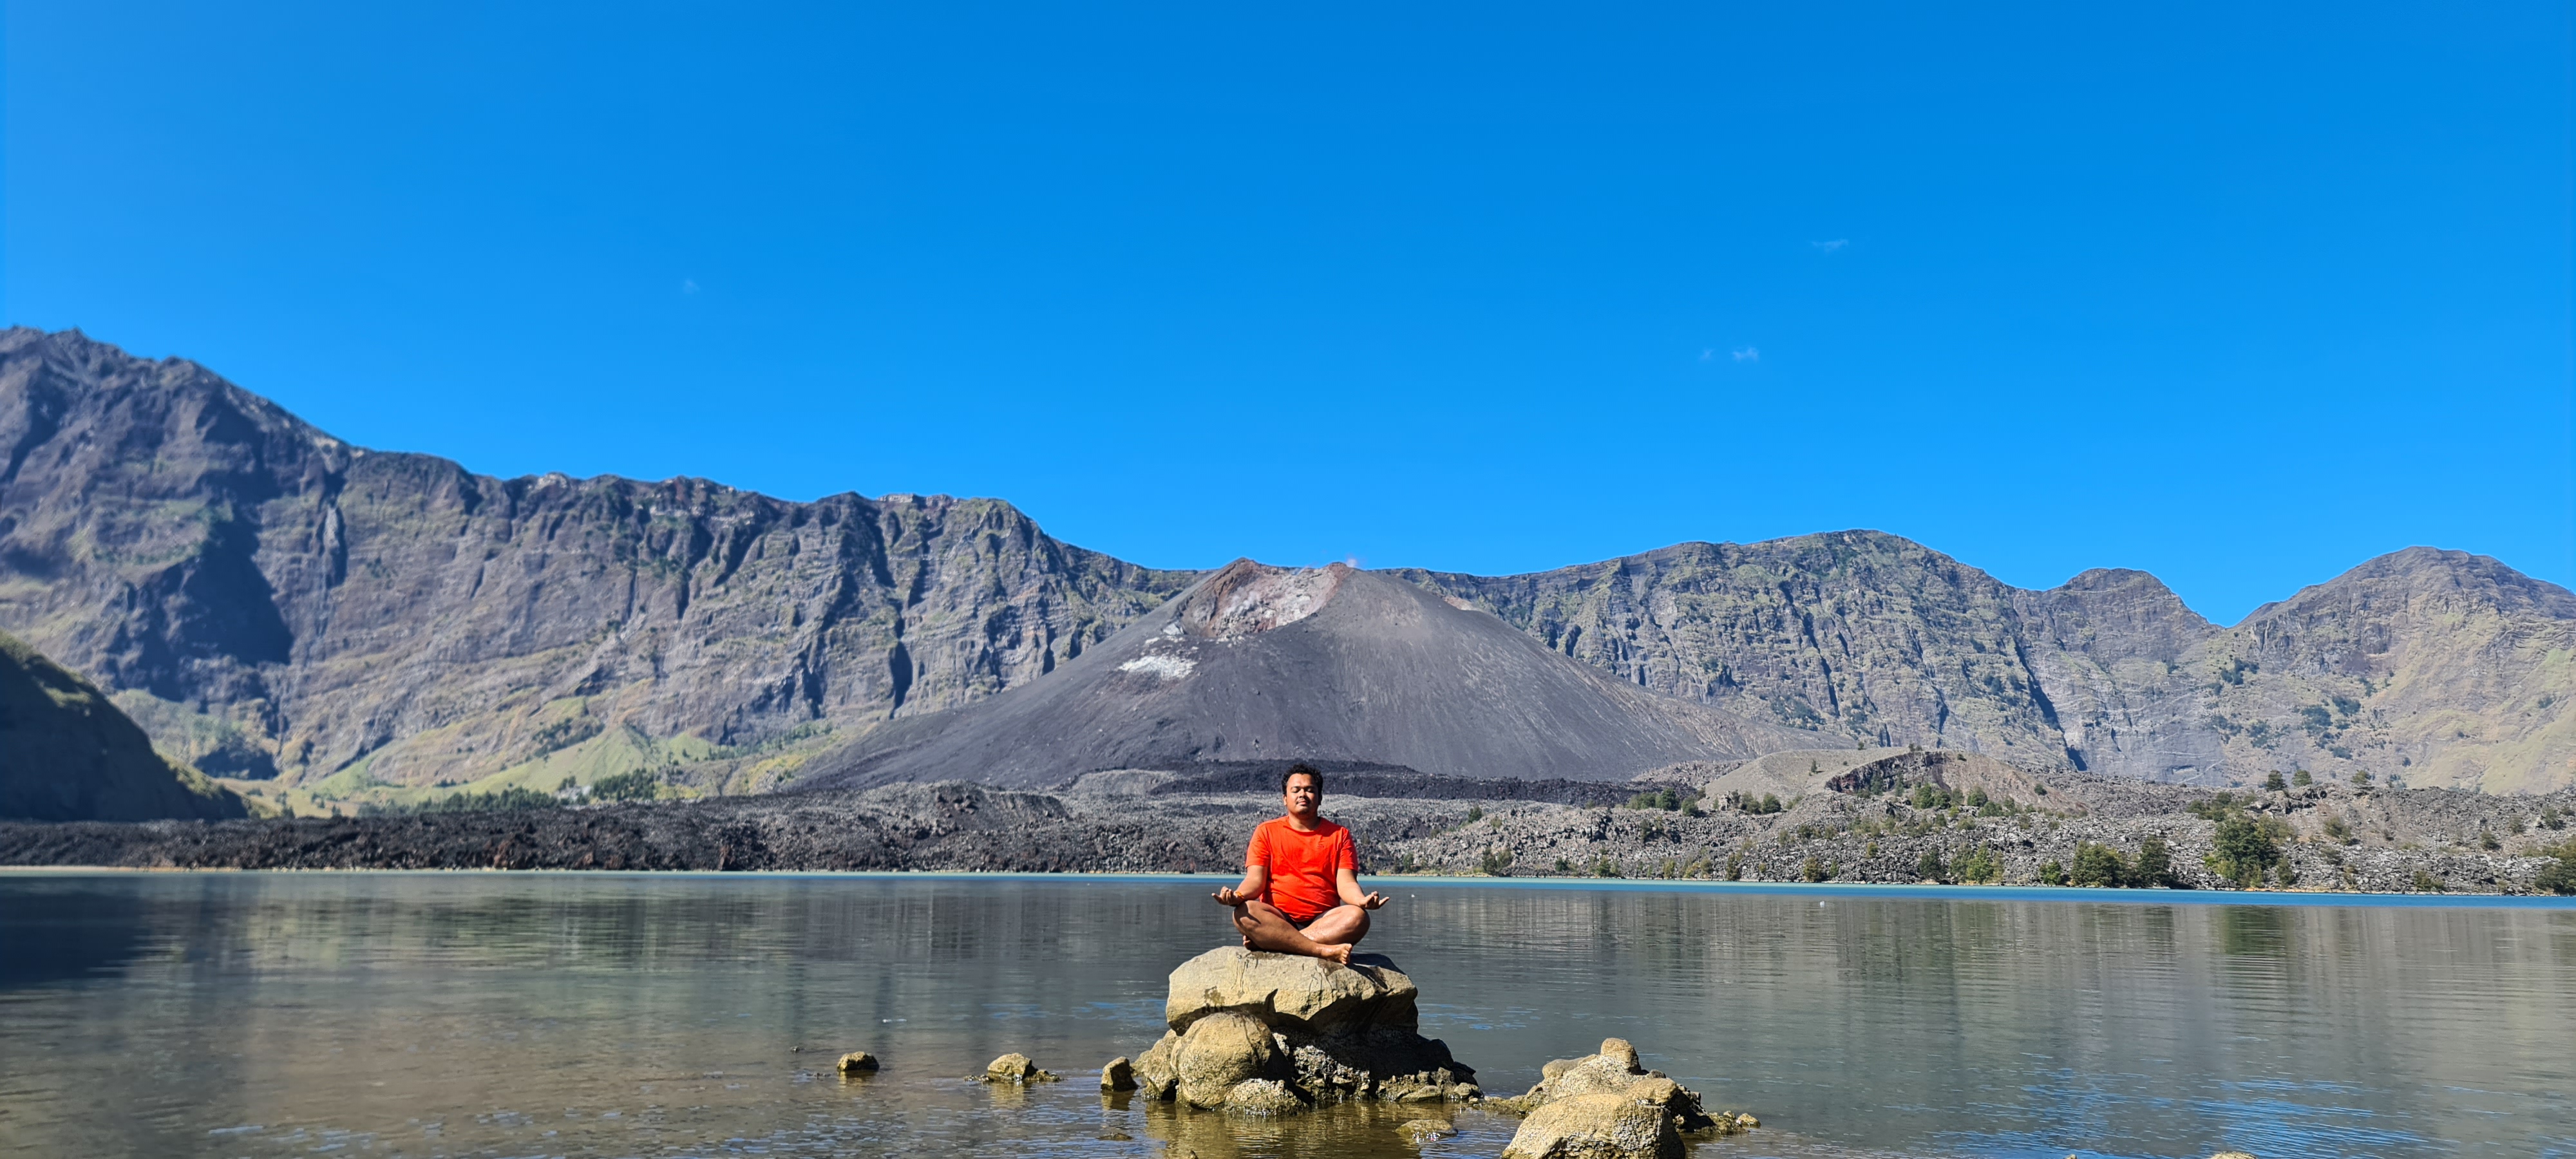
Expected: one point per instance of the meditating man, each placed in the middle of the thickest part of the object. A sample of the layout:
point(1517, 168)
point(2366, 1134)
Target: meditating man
point(1301, 887)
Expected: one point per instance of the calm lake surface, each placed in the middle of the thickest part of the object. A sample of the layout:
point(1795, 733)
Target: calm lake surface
point(595, 1014)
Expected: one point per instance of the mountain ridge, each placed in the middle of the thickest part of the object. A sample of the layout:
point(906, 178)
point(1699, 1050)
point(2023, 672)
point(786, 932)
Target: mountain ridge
point(286, 608)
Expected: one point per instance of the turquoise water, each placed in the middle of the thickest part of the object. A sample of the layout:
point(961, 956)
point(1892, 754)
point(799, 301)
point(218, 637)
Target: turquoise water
point(671, 1015)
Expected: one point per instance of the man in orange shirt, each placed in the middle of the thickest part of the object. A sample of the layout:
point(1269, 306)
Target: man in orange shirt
point(1300, 892)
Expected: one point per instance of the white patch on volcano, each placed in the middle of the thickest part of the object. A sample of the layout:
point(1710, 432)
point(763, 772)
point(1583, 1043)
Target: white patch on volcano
point(1167, 667)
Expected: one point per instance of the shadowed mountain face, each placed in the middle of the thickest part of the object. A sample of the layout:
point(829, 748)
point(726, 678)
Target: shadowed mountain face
point(268, 601)
point(67, 754)
point(1259, 663)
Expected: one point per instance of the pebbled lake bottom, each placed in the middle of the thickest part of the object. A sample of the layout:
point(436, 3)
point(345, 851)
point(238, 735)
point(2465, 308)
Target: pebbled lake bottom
point(389, 1014)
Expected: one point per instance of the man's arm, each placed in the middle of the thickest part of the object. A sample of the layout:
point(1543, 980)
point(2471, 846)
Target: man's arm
point(1346, 882)
point(1256, 878)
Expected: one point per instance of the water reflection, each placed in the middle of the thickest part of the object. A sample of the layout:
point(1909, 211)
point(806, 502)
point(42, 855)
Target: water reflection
point(561, 1014)
point(69, 936)
point(2260, 931)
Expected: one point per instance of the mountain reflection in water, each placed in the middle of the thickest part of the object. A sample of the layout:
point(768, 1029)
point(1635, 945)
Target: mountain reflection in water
point(565, 1014)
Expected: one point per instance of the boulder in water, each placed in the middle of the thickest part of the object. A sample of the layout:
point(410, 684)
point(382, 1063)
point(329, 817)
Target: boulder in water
point(1266, 1033)
point(1606, 1106)
point(857, 1061)
point(1119, 1075)
point(1598, 1126)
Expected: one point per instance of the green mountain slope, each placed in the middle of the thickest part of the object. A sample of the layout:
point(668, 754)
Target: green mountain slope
point(67, 754)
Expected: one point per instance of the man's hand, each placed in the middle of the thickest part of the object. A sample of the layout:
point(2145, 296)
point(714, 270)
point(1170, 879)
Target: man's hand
point(1373, 900)
point(1227, 897)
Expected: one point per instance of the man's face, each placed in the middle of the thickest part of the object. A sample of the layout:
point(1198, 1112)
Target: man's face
point(1303, 796)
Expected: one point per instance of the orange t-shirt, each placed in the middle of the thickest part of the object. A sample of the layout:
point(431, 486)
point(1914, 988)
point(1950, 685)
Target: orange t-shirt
point(1303, 866)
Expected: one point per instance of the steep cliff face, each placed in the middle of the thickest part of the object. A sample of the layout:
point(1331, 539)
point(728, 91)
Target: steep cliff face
point(2119, 658)
point(67, 754)
point(1865, 637)
point(312, 607)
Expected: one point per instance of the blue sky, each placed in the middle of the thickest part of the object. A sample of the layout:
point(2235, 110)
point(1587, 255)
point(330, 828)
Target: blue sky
point(2240, 295)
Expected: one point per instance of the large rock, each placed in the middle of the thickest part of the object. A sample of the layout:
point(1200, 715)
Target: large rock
point(1218, 1051)
point(1606, 1106)
point(1291, 992)
point(1263, 1033)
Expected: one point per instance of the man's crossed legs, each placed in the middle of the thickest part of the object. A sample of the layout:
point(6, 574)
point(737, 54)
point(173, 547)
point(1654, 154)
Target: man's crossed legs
point(1330, 936)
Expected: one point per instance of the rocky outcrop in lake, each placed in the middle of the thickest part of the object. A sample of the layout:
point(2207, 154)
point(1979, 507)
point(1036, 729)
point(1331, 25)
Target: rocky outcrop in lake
point(1606, 1105)
point(1263, 1033)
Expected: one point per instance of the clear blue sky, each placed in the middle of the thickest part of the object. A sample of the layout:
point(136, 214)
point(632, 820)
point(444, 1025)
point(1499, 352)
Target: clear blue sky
point(2238, 294)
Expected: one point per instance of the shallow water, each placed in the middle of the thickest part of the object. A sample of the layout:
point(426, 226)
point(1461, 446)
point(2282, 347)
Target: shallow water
point(562, 1014)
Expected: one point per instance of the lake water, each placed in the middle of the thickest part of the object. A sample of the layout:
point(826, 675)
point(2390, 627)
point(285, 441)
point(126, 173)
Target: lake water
point(560, 1014)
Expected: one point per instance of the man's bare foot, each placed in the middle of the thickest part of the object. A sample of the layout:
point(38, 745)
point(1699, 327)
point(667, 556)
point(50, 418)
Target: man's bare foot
point(1337, 955)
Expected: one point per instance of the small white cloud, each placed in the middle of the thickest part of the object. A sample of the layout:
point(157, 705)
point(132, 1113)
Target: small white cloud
point(688, 285)
point(1749, 354)
point(1708, 355)
point(1831, 246)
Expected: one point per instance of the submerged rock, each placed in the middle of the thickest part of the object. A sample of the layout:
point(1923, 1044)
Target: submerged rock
point(1262, 1097)
point(857, 1061)
point(1015, 1068)
point(1421, 1131)
point(1265, 1033)
point(1606, 1106)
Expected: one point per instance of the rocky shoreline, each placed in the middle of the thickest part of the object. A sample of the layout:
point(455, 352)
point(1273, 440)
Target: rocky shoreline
point(1927, 816)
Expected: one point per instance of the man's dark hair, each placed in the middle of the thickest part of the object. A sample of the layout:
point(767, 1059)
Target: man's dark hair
point(1303, 769)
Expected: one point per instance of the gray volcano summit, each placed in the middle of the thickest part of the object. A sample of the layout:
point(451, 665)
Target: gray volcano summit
point(1257, 663)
